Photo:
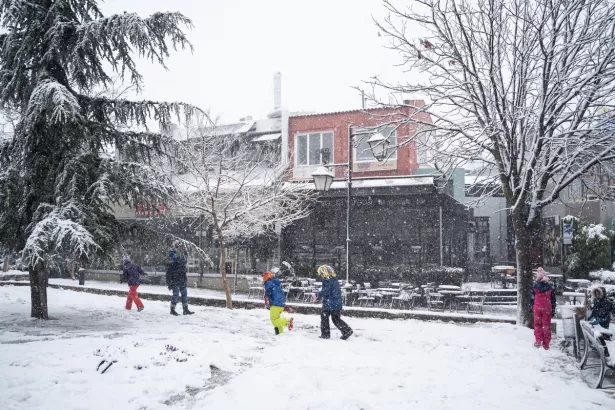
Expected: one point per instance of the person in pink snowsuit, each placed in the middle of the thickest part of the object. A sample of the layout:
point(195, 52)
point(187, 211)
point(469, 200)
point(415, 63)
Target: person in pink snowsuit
point(542, 302)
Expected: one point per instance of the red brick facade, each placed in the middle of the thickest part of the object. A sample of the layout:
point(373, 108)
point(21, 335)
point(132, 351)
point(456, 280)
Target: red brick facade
point(338, 123)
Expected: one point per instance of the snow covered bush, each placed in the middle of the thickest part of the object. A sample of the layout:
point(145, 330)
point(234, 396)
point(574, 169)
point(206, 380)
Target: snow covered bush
point(591, 246)
point(603, 276)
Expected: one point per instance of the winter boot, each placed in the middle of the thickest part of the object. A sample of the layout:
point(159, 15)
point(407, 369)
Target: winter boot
point(545, 346)
point(276, 330)
point(140, 309)
point(290, 324)
point(537, 344)
point(173, 312)
point(347, 335)
point(186, 311)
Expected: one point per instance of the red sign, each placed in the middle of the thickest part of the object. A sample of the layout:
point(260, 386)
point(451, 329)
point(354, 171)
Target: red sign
point(145, 210)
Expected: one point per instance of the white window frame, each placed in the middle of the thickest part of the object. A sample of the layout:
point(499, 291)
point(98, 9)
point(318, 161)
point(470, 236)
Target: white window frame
point(392, 157)
point(307, 136)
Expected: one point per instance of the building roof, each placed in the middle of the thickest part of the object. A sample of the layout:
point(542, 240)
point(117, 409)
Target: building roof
point(389, 107)
point(267, 137)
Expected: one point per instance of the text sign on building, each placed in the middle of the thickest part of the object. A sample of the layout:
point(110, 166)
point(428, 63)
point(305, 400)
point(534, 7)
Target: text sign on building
point(146, 211)
point(568, 232)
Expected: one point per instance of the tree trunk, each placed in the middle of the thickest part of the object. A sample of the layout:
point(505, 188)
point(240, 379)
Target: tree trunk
point(222, 267)
point(524, 242)
point(38, 291)
point(5, 268)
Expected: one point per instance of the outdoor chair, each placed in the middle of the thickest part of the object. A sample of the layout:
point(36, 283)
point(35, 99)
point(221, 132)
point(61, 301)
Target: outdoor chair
point(476, 303)
point(404, 298)
point(463, 299)
point(434, 301)
point(307, 296)
point(366, 299)
point(256, 289)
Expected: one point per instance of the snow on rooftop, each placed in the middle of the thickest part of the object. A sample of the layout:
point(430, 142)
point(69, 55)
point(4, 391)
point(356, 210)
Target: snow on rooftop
point(374, 183)
point(267, 137)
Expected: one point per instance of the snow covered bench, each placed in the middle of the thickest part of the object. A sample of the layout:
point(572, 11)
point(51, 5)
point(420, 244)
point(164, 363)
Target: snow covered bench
point(592, 344)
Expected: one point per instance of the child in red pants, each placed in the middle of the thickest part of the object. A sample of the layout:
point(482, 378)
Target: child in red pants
point(132, 274)
point(542, 302)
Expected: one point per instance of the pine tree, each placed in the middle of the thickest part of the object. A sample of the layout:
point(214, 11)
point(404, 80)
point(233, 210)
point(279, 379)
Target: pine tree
point(58, 179)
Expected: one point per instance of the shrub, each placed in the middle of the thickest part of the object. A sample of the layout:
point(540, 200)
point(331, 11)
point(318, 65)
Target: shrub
point(591, 246)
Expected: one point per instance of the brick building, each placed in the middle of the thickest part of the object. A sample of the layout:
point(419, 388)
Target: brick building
point(399, 218)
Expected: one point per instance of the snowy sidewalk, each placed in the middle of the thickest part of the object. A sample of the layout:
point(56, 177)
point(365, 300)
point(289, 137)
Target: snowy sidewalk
point(206, 297)
point(386, 365)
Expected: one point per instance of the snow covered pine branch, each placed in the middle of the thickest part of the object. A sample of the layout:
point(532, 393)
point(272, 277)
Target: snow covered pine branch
point(237, 186)
point(523, 87)
point(59, 177)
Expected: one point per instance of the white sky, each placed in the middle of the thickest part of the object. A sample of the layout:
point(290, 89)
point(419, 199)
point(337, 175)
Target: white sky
point(322, 48)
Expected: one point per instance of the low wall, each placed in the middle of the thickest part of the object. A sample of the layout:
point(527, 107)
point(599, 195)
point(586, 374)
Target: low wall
point(211, 281)
point(300, 308)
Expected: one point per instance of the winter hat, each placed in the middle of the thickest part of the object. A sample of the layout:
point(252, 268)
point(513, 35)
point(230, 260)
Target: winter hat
point(541, 275)
point(176, 243)
point(325, 272)
point(598, 293)
point(267, 276)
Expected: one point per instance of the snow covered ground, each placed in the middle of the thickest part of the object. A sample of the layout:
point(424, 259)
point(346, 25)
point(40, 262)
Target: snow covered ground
point(387, 365)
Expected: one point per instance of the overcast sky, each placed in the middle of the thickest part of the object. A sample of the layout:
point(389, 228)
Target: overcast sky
point(321, 47)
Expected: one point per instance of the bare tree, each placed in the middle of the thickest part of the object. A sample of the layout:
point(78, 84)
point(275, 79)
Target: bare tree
point(520, 85)
point(237, 185)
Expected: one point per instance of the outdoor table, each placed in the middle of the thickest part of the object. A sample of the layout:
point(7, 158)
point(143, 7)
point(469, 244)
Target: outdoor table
point(579, 281)
point(574, 296)
point(504, 271)
point(555, 277)
point(449, 295)
point(449, 287)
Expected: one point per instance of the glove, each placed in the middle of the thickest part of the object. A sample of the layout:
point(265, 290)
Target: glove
point(267, 303)
point(289, 309)
point(314, 297)
point(595, 322)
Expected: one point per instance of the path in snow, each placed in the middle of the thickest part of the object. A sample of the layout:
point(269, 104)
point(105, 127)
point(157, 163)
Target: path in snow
point(232, 360)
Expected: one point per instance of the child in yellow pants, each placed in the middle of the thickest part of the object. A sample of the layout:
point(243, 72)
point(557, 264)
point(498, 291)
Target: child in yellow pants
point(275, 301)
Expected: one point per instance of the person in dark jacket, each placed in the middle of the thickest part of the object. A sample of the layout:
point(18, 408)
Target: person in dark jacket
point(177, 279)
point(542, 302)
point(601, 309)
point(331, 295)
point(132, 275)
point(601, 314)
point(275, 301)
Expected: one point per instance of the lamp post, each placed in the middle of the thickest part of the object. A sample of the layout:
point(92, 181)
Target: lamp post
point(323, 178)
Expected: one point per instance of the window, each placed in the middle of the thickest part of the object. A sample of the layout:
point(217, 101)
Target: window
point(362, 150)
point(314, 148)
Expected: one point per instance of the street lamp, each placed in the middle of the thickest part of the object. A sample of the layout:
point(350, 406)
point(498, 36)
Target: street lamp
point(379, 146)
point(323, 178)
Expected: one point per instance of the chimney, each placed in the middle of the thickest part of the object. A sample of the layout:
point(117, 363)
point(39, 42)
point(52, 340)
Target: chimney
point(277, 91)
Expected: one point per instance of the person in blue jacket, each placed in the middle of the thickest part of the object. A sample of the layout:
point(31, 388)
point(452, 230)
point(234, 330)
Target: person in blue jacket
point(177, 278)
point(331, 295)
point(275, 301)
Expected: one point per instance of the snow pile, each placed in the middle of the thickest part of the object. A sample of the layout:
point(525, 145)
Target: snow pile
point(603, 276)
point(13, 272)
point(221, 359)
point(595, 232)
